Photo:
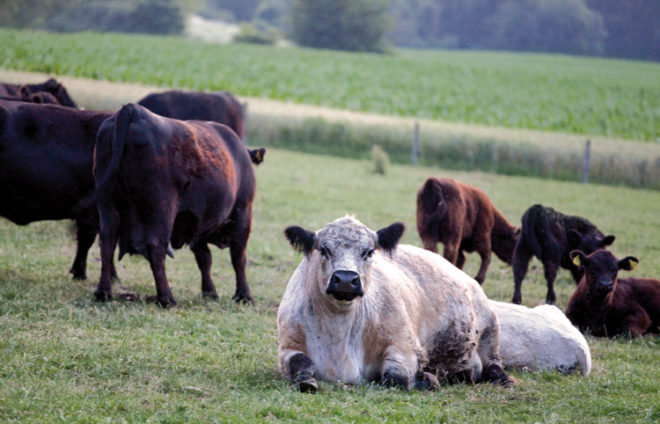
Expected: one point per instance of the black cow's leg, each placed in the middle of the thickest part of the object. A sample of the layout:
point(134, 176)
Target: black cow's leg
point(550, 269)
point(238, 260)
point(109, 218)
point(85, 235)
point(204, 261)
point(461, 259)
point(485, 261)
point(302, 373)
point(521, 258)
point(156, 256)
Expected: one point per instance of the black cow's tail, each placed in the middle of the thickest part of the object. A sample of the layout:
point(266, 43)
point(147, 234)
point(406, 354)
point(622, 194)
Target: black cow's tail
point(534, 217)
point(257, 155)
point(123, 119)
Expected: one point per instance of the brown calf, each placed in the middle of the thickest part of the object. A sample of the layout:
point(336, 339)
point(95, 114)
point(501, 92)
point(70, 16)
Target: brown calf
point(463, 218)
point(607, 305)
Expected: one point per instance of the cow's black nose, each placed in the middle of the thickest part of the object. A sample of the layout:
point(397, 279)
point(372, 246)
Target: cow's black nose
point(345, 285)
point(346, 277)
point(604, 285)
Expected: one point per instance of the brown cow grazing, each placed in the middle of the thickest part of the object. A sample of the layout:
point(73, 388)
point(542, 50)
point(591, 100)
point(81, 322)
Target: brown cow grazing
point(220, 107)
point(362, 308)
point(46, 160)
point(464, 220)
point(606, 305)
point(162, 181)
point(51, 86)
point(551, 236)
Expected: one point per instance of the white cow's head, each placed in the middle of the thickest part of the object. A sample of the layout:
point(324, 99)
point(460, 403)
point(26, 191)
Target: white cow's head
point(342, 253)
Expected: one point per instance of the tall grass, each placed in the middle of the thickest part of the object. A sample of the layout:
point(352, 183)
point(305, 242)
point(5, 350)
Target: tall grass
point(610, 98)
point(66, 358)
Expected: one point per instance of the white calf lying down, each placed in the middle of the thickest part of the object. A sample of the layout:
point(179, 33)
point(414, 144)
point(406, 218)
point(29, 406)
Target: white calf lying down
point(358, 308)
point(540, 339)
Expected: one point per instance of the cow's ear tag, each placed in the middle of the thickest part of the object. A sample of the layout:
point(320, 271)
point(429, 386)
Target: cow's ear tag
point(576, 260)
point(633, 264)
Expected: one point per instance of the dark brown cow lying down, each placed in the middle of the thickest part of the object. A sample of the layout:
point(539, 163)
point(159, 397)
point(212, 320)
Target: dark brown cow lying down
point(551, 236)
point(161, 181)
point(463, 218)
point(220, 107)
point(607, 305)
point(26, 91)
point(360, 307)
point(46, 159)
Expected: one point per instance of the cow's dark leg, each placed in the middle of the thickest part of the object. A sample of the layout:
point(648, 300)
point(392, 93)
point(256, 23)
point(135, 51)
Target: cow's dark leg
point(450, 251)
point(520, 263)
point(430, 244)
point(237, 248)
point(109, 219)
point(485, 261)
point(302, 373)
point(85, 235)
point(204, 261)
point(550, 270)
point(460, 261)
point(156, 256)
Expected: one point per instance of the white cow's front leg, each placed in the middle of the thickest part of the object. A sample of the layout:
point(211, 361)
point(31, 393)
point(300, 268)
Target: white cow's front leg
point(300, 369)
point(401, 369)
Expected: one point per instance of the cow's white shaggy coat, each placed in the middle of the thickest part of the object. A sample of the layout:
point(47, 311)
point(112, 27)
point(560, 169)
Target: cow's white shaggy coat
point(417, 313)
point(540, 339)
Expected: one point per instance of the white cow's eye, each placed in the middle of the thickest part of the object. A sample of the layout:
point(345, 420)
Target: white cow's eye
point(366, 254)
point(325, 252)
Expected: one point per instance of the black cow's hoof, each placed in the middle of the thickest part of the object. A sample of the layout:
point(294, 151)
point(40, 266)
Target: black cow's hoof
point(103, 296)
point(78, 276)
point(242, 298)
point(210, 295)
point(167, 302)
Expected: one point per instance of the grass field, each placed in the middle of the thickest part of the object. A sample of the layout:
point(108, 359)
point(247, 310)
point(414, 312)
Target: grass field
point(66, 358)
point(597, 97)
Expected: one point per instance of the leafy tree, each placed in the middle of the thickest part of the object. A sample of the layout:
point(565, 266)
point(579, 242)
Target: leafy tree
point(633, 27)
point(567, 26)
point(355, 25)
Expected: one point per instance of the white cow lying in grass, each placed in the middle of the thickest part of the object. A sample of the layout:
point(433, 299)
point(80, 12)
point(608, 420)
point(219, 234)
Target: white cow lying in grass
point(358, 309)
point(540, 339)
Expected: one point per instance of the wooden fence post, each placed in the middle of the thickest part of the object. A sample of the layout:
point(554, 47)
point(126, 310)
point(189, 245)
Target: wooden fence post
point(585, 166)
point(414, 155)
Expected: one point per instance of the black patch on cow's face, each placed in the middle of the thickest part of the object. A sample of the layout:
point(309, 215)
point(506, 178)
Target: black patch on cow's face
point(389, 237)
point(301, 240)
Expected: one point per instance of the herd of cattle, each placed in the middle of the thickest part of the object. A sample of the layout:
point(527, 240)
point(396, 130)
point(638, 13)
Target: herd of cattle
point(172, 169)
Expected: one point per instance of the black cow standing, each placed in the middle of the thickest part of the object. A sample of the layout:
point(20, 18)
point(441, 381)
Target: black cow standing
point(46, 159)
point(551, 236)
point(219, 106)
point(162, 181)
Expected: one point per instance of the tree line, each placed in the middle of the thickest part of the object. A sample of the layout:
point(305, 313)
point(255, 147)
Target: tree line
point(613, 28)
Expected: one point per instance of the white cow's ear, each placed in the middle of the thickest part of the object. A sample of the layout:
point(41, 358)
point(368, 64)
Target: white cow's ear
point(389, 237)
point(301, 239)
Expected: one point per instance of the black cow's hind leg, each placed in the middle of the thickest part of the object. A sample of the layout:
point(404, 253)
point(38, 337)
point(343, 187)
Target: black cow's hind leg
point(85, 235)
point(108, 241)
point(238, 260)
point(204, 261)
point(520, 263)
point(156, 256)
point(550, 269)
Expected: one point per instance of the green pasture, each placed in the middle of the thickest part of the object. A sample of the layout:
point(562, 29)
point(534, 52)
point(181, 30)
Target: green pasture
point(590, 96)
point(66, 358)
